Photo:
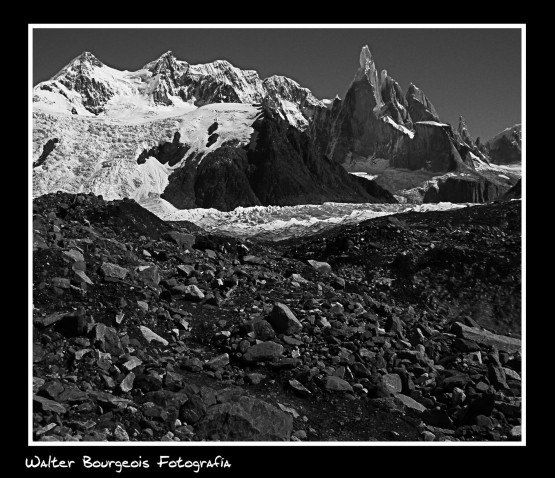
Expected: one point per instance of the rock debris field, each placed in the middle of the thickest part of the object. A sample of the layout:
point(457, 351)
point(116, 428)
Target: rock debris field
point(400, 328)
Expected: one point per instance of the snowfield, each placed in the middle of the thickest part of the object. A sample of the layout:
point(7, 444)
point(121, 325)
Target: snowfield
point(99, 155)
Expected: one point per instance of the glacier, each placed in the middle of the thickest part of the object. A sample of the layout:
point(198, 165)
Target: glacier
point(275, 223)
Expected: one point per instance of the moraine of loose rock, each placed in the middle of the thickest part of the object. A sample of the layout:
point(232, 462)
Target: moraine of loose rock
point(133, 358)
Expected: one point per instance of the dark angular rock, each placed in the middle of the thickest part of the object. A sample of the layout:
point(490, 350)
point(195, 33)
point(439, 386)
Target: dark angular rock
point(183, 241)
point(72, 394)
point(193, 410)
point(321, 267)
point(108, 339)
point(48, 405)
point(359, 370)
point(189, 292)
point(465, 345)
point(437, 418)
point(264, 330)
point(497, 377)
point(394, 325)
point(299, 388)
point(186, 270)
point(483, 405)
point(113, 271)
point(392, 383)
point(283, 320)
point(74, 324)
point(51, 389)
point(264, 351)
point(147, 383)
point(247, 419)
point(409, 403)
point(338, 283)
point(484, 337)
point(150, 275)
point(284, 363)
point(252, 259)
point(218, 362)
point(336, 384)
point(110, 400)
point(193, 364)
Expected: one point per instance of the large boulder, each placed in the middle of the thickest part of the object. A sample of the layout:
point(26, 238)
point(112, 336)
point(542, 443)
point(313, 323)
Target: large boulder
point(184, 241)
point(247, 419)
point(264, 351)
point(484, 337)
point(283, 320)
point(113, 271)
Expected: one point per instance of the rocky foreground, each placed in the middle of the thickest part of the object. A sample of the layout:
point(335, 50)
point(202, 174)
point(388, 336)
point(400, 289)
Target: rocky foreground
point(403, 327)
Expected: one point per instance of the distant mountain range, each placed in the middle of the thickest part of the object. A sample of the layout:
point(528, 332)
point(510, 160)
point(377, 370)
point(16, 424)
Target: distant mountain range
point(216, 136)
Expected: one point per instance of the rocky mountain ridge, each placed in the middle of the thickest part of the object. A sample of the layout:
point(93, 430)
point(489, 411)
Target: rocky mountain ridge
point(90, 87)
point(375, 120)
point(506, 147)
point(159, 124)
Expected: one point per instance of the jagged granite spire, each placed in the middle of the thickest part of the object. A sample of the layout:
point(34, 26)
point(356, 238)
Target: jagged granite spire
point(463, 131)
point(506, 146)
point(419, 106)
point(395, 104)
point(367, 69)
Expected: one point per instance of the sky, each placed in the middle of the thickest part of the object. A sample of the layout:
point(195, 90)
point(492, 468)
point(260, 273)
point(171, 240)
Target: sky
point(473, 72)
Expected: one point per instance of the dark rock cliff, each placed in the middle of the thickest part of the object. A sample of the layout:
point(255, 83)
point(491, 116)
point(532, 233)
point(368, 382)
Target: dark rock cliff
point(474, 189)
point(419, 106)
point(431, 148)
point(356, 130)
point(46, 150)
point(505, 148)
point(166, 153)
point(514, 193)
point(280, 166)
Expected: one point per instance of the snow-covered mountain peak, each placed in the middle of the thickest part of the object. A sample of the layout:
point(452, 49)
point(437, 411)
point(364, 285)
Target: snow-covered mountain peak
point(83, 86)
point(293, 102)
point(289, 89)
point(167, 86)
point(166, 63)
point(84, 63)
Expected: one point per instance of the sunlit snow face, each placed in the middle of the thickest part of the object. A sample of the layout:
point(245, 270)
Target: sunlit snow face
point(99, 155)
